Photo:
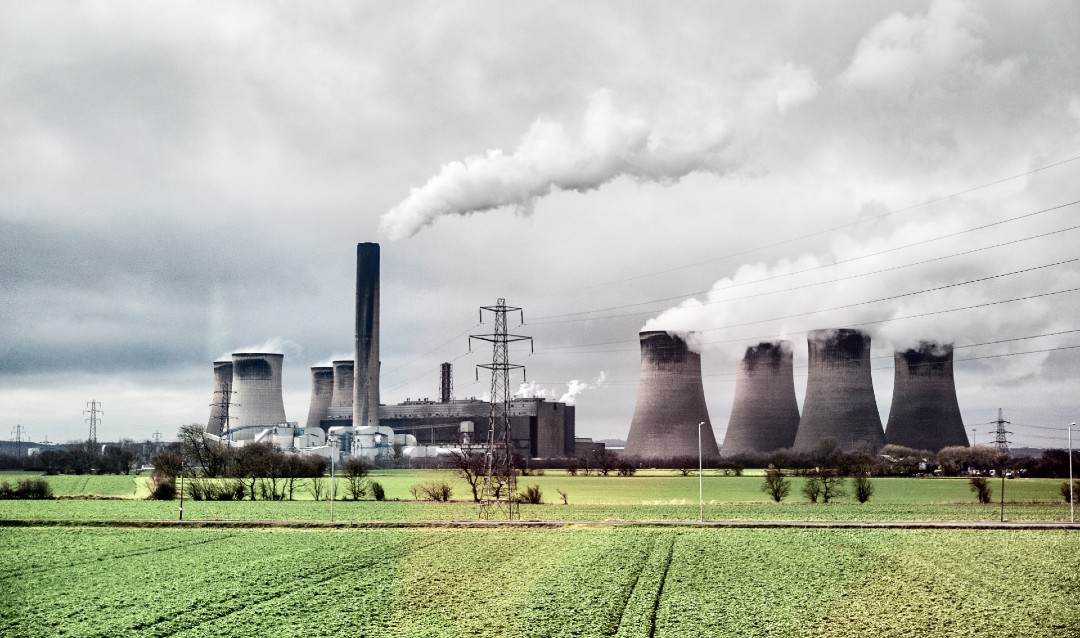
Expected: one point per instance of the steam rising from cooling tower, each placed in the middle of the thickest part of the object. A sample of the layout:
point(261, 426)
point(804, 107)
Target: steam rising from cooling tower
point(322, 392)
point(925, 414)
point(366, 385)
point(839, 403)
point(223, 373)
point(765, 414)
point(257, 390)
point(670, 401)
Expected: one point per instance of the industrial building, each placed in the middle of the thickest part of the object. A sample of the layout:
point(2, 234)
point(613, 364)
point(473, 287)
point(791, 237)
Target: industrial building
point(670, 402)
point(765, 413)
point(925, 414)
point(840, 405)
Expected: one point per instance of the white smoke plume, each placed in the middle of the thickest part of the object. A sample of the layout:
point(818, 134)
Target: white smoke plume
point(274, 345)
point(329, 361)
point(530, 390)
point(610, 142)
point(574, 387)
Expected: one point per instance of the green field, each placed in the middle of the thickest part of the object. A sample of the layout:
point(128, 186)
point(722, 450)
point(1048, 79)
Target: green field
point(576, 581)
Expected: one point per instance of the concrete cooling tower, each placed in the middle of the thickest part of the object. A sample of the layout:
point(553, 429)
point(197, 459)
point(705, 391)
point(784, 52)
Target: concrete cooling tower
point(925, 414)
point(343, 384)
point(322, 390)
point(839, 402)
point(765, 415)
point(257, 390)
point(223, 372)
point(670, 402)
point(366, 385)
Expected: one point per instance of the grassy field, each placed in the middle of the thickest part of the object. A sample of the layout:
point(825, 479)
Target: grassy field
point(553, 582)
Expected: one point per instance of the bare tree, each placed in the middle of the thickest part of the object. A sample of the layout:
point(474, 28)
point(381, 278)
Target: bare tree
point(864, 488)
point(606, 461)
point(213, 457)
point(684, 465)
point(981, 486)
point(356, 471)
point(776, 485)
point(469, 465)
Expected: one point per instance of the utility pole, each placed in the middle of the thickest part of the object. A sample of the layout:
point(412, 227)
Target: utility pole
point(18, 433)
point(94, 410)
point(499, 487)
point(1000, 441)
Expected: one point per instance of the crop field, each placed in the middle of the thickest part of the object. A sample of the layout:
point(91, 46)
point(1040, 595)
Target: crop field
point(576, 581)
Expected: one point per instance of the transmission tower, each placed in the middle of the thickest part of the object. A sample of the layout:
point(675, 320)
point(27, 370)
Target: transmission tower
point(223, 404)
point(94, 410)
point(499, 487)
point(1000, 441)
point(18, 433)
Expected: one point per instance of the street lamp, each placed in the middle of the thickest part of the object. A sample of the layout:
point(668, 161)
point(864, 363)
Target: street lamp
point(1072, 488)
point(700, 485)
point(333, 453)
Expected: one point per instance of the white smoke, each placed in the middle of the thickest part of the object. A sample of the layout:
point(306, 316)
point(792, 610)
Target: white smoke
point(274, 345)
point(329, 361)
point(611, 141)
point(530, 390)
point(574, 387)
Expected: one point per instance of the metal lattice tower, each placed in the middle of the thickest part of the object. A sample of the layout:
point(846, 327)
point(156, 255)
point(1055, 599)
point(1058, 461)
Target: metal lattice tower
point(223, 404)
point(499, 487)
point(93, 420)
point(1000, 441)
point(18, 433)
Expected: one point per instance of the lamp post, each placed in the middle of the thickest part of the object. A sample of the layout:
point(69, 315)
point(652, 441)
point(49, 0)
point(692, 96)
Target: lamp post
point(700, 484)
point(972, 437)
point(1072, 489)
point(333, 453)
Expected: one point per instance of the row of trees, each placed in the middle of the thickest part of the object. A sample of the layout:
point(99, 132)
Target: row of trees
point(84, 457)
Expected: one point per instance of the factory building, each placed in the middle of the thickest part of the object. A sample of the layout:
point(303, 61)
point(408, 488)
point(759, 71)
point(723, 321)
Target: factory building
point(765, 413)
point(925, 414)
point(839, 404)
point(670, 401)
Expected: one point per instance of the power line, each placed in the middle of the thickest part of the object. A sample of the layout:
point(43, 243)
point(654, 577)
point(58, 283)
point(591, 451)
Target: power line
point(793, 288)
point(827, 230)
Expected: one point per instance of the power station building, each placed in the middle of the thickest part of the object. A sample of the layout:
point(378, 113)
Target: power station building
point(765, 413)
point(925, 414)
point(840, 405)
point(670, 402)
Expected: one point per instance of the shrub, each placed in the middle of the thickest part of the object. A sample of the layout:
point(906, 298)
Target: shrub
point(438, 491)
point(563, 495)
point(377, 491)
point(33, 488)
point(981, 486)
point(627, 468)
point(163, 490)
point(6, 491)
point(1069, 498)
point(864, 489)
point(532, 495)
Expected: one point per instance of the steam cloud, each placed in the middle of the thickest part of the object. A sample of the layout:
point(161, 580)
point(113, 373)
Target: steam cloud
point(574, 387)
point(609, 143)
point(274, 345)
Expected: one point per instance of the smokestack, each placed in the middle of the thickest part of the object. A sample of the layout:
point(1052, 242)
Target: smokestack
point(446, 383)
point(840, 404)
point(257, 387)
point(223, 372)
point(322, 391)
point(344, 382)
point(366, 385)
point(670, 401)
point(765, 415)
point(925, 414)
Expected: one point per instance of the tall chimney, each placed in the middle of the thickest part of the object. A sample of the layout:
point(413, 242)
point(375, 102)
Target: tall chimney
point(366, 385)
point(446, 382)
point(925, 414)
point(670, 401)
point(765, 414)
point(257, 390)
point(322, 391)
point(840, 404)
point(223, 372)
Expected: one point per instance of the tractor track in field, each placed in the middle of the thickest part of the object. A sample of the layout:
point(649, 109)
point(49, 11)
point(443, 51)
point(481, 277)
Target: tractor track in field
point(660, 589)
point(634, 585)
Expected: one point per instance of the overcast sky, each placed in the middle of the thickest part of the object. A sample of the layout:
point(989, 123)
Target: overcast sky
point(183, 180)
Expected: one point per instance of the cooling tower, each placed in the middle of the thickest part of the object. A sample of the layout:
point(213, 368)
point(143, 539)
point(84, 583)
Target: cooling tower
point(366, 384)
point(670, 402)
point(839, 402)
point(257, 390)
point(223, 372)
point(322, 391)
point(765, 415)
point(925, 414)
point(344, 381)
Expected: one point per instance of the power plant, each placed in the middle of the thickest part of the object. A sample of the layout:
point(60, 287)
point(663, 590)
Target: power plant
point(223, 373)
point(257, 387)
point(670, 402)
point(839, 406)
point(765, 413)
point(925, 414)
point(365, 401)
point(343, 384)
